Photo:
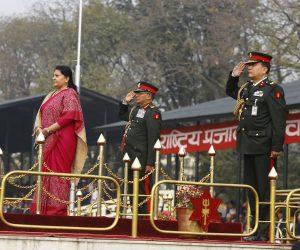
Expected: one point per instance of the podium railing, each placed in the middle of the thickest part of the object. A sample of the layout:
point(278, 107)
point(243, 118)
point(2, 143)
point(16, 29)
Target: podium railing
point(208, 185)
point(71, 176)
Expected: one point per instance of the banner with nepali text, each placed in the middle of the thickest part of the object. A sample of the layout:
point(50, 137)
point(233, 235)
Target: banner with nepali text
point(220, 135)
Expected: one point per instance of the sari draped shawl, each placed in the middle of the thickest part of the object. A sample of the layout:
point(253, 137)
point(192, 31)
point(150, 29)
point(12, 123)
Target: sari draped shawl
point(64, 151)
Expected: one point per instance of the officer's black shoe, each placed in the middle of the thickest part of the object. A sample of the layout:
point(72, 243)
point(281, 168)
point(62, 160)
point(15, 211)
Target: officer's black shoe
point(250, 238)
point(256, 237)
point(264, 238)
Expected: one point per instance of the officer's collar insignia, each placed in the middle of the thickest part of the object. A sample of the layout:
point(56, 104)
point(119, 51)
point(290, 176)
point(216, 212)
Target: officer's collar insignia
point(262, 84)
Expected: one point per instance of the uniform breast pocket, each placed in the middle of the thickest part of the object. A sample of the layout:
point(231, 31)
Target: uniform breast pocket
point(138, 120)
point(257, 105)
point(256, 99)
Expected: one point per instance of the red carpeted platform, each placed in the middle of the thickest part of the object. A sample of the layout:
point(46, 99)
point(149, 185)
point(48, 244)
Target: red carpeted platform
point(122, 229)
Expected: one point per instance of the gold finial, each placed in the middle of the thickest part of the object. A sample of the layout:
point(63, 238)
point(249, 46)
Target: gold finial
point(181, 152)
point(157, 145)
point(273, 174)
point(101, 140)
point(79, 193)
point(136, 165)
point(40, 138)
point(126, 158)
point(211, 151)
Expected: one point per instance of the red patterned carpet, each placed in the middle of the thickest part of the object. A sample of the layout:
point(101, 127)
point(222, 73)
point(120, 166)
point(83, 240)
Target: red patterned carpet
point(121, 231)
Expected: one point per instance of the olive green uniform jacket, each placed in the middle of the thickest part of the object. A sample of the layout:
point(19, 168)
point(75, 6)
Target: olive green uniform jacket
point(264, 131)
point(141, 133)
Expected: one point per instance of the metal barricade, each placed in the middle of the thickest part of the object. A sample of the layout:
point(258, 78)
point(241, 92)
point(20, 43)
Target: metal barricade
point(214, 185)
point(64, 175)
point(292, 203)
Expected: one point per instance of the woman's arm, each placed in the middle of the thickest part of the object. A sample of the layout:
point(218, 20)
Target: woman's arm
point(51, 129)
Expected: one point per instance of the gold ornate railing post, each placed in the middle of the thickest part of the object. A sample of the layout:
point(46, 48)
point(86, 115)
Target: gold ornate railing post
point(72, 198)
point(181, 154)
point(101, 142)
point(136, 167)
point(157, 148)
point(212, 153)
point(79, 196)
point(248, 217)
point(40, 141)
point(273, 179)
point(126, 161)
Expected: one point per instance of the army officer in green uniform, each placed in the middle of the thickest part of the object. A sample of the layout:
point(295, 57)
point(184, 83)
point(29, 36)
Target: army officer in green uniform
point(261, 110)
point(141, 132)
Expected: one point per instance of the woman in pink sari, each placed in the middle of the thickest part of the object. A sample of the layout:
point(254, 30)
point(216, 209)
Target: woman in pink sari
point(60, 119)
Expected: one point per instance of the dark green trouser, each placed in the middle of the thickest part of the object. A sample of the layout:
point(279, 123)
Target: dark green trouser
point(142, 189)
point(256, 171)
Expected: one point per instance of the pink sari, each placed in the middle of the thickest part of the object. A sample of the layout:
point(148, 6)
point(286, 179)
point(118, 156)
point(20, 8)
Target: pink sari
point(61, 149)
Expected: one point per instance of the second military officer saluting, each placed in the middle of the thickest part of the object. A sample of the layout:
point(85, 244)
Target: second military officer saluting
point(260, 108)
point(141, 132)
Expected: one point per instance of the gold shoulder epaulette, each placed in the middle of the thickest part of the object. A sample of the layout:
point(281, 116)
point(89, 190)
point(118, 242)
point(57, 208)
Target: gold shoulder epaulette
point(273, 84)
point(269, 82)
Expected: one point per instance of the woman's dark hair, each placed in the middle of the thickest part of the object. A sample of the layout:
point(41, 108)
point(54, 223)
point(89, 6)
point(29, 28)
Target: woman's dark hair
point(67, 72)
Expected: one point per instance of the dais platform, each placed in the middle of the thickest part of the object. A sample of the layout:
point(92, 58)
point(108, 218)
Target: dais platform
point(117, 238)
point(74, 243)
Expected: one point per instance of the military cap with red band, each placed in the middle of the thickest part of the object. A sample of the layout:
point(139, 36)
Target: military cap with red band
point(255, 56)
point(146, 87)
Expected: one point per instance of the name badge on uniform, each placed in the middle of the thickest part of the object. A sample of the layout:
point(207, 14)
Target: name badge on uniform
point(141, 113)
point(258, 93)
point(254, 109)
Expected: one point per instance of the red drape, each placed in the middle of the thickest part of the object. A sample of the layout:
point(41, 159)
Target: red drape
point(59, 149)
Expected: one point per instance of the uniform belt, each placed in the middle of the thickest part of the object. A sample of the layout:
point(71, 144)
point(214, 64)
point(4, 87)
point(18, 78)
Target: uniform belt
point(253, 132)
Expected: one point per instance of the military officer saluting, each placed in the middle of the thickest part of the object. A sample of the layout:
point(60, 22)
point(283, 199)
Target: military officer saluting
point(141, 132)
point(261, 110)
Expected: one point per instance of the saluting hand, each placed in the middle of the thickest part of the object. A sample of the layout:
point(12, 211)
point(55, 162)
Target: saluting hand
point(129, 96)
point(238, 69)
